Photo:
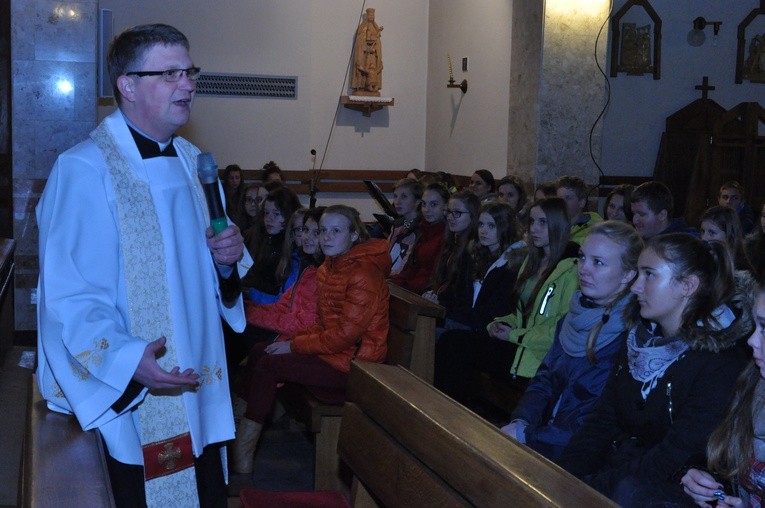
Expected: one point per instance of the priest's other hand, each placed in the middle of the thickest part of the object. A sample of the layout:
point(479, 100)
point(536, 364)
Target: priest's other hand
point(154, 377)
point(227, 246)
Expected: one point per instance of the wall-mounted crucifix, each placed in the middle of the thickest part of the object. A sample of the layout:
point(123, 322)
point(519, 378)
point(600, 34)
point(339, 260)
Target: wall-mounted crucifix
point(705, 88)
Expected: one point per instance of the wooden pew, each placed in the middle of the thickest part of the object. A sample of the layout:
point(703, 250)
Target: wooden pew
point(411, 344)
point(409, 445)
point(61, 464)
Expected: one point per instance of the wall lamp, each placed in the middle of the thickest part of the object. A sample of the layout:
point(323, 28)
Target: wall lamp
point(696, 36)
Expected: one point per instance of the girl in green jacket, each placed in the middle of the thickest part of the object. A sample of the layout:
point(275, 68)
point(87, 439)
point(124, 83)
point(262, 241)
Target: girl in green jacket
point(546, 282)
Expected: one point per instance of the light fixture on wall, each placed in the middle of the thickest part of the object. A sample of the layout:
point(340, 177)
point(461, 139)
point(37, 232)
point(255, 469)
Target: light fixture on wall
point(696, 36)
point(452, 84)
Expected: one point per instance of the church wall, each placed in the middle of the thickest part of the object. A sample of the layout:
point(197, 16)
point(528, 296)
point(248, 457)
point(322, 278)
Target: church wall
point(470, 131)
point(53, 55)
point(313, 41)
point(640, 105)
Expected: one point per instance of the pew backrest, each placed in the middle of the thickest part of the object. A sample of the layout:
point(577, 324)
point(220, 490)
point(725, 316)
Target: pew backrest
point(62, 465)
point(409, 445)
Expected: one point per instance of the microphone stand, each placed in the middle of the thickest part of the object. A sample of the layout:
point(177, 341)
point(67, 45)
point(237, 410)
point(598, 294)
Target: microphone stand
point(312, 190)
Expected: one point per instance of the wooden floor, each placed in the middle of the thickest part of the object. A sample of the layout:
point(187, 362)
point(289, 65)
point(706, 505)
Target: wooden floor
point(283, 461)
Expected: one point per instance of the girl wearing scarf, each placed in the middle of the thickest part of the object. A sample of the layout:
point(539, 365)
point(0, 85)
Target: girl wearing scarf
point(587, 340)
point(736, 450)
point(672, 383)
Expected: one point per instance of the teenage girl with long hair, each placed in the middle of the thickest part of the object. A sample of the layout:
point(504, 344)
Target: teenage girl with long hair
point(735, 470)
point(543, 291)
point(453, 278)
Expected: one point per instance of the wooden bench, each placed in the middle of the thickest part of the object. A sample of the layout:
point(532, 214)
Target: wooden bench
point(409, 445)
point(411, 344)
point(61, 464)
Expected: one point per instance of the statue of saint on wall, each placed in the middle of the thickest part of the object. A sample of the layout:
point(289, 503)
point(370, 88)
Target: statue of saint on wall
point(635, 54)
point(366, 78)
point(754, 67)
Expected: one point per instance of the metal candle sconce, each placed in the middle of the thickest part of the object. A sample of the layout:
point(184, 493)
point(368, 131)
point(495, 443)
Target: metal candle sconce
point(452, 84)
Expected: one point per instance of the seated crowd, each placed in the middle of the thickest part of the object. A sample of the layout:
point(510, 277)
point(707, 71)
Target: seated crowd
point(624, 332)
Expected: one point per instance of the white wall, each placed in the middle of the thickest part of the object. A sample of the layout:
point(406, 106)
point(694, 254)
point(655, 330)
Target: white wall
point(640, 105)
point(468, 132)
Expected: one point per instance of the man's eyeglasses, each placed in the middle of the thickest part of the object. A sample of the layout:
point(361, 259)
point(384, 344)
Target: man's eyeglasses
point(456, 213)
point(253, 201)
point(170, 75)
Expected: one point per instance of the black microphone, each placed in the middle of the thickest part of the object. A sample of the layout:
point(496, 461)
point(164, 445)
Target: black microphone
point(207, 169)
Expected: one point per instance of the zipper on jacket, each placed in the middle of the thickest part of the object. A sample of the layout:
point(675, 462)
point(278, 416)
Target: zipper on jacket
point(543, 306)
point(669, 401)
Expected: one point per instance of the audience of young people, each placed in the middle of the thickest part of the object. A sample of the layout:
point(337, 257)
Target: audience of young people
point(549, 322)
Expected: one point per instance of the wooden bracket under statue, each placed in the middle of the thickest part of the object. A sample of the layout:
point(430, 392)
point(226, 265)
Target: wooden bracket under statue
point(365, 103)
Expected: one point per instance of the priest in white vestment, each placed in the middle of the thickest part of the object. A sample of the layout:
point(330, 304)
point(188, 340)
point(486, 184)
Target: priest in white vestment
point(133, 283)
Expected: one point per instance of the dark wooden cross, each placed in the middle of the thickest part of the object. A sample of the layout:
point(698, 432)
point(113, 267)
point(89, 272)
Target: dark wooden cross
point(704, 87)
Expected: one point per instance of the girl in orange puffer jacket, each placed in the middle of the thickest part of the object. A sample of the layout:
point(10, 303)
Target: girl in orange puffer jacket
point(353, 324)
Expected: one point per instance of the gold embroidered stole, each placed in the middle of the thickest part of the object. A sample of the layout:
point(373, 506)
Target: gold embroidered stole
point(164, 432)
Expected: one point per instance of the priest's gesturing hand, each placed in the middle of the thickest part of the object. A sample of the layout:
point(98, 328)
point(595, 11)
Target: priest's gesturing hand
point(154, 377)
point(227, 246)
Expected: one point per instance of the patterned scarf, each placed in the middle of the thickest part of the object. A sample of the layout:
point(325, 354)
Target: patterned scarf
point(649, 356)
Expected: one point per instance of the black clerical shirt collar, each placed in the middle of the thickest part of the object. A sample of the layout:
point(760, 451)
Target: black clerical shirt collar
point(148, 148)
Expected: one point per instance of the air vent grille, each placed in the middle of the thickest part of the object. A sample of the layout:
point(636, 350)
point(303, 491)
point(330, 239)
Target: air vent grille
point(247, 85)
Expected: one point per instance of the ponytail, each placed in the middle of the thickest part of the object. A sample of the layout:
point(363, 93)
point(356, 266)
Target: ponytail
point(710, 262)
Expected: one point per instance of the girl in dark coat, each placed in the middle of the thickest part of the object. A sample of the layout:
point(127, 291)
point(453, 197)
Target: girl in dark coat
point(495, 259)
point(674, 379)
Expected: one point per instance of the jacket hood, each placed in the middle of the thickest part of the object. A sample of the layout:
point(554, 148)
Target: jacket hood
point(704, 339)
point(373, 252)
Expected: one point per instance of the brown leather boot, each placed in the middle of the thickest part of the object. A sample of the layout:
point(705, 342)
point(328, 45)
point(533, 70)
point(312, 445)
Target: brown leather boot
point(243, 447)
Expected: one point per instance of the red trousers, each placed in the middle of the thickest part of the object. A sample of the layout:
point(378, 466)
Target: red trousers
point(265, 372)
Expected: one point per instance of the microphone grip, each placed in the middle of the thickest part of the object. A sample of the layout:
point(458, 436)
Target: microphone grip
point(218, 219)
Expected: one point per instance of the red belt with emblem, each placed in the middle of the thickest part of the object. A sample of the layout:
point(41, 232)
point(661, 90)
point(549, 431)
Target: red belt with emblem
point(168, 456)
